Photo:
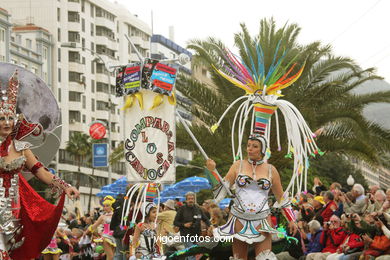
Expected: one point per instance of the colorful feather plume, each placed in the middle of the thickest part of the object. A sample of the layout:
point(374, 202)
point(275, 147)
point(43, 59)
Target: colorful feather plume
point(254, 77)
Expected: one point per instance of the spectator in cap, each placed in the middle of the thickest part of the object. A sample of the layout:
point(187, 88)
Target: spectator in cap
point(318, 204)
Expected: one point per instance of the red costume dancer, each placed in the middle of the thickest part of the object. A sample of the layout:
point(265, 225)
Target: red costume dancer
point(27, 221)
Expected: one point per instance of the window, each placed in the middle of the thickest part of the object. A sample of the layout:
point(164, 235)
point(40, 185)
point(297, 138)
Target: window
point(28, 43)
point(74, 76)
point(73, 36)
point(83, 24)
point(58, 14)
point(92, 67)
point(100, 68)
point(101, 105)
point(73, 17)
point(59, 95)
point(84, 102)
point(92, 29)
point(74, 116)
point(74, 56)
point(74, 1)
point(74, 96)
point(83, 60)
point(59, 54)
point(92, 86)
point(2, 35)
point(84, 119)
point(92, 46)
point(101, 87)
point(113, 129)
point(59, 35)
point(2, 58)
point(92, 11)
point(103, 31)
point(59, 74)
point(83, 43)
point(93, 104)
point(82, 6)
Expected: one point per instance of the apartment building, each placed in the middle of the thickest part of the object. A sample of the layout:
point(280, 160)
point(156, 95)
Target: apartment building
point(86, 37)
point(5, 32)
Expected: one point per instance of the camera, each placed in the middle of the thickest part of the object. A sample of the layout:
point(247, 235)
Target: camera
point(381, 218)
point(327, 223)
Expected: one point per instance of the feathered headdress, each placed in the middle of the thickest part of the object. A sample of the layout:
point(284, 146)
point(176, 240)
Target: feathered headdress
point(263, 87)
point(9, 96)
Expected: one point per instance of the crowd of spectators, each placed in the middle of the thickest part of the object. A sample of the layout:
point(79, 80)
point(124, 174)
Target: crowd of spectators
point(333, 223)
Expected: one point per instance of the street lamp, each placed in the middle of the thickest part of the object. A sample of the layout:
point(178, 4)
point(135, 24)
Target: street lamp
point(99, 58)
point(350, 180)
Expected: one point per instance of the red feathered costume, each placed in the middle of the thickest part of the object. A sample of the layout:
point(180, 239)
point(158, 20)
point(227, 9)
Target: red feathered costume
point(39, 218)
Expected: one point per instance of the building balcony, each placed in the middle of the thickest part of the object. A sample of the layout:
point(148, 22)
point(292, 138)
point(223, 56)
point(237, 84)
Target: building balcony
point(74, 105)
point(137, 40)
point(74, 6)
point(77, 87)
point(75, 126)
point(145, 45)
point(102, 77)
point(102, 114)
point(101, 21)
point(101, 96)
point(76, 66)
point(74, 26)
point(109, 43)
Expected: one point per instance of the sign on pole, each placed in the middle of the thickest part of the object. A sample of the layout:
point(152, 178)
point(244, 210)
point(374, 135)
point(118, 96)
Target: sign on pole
point(99, 155)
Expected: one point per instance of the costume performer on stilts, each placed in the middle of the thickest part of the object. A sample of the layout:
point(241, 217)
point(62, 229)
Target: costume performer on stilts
point(27, 221)
point(253, 178)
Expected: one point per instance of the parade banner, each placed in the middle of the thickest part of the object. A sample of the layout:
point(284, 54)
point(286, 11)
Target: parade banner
point(150, 142)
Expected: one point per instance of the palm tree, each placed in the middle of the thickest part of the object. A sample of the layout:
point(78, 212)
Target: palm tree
point(324, 94)
point(79, 147)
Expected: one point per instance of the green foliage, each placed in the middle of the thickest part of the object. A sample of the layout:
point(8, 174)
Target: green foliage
point(323, 94)
point(334, 167)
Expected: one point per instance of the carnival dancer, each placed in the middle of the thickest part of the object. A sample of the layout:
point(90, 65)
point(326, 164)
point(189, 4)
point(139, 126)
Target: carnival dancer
point(52, 251)
point(253, 177)
point(144, 242)
point(105, 219)
point(27, 221)
point(250, 220)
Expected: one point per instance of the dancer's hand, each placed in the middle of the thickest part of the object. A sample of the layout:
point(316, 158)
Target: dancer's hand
point(210, 164)
point(188, 224)
point(72, 193)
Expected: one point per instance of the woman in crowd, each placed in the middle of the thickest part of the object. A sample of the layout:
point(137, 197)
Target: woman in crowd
point(105, 220)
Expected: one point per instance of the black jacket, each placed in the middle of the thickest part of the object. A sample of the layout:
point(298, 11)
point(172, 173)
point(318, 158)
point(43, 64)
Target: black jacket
point(187, 214)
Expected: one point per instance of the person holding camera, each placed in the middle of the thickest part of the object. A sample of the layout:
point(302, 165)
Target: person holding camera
point(332, 236)
point(188, 220)
point(360, 204)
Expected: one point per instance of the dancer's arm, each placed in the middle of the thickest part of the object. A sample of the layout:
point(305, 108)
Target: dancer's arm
point(93, 228)
point(284, 203)
point(219, 191)
point(45, 176)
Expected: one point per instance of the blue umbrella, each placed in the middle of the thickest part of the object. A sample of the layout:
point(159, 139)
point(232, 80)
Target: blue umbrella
point(224, 203)
point(194, 184)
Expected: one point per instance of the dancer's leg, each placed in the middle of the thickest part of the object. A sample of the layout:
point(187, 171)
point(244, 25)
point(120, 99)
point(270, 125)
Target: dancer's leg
point(109, 250)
